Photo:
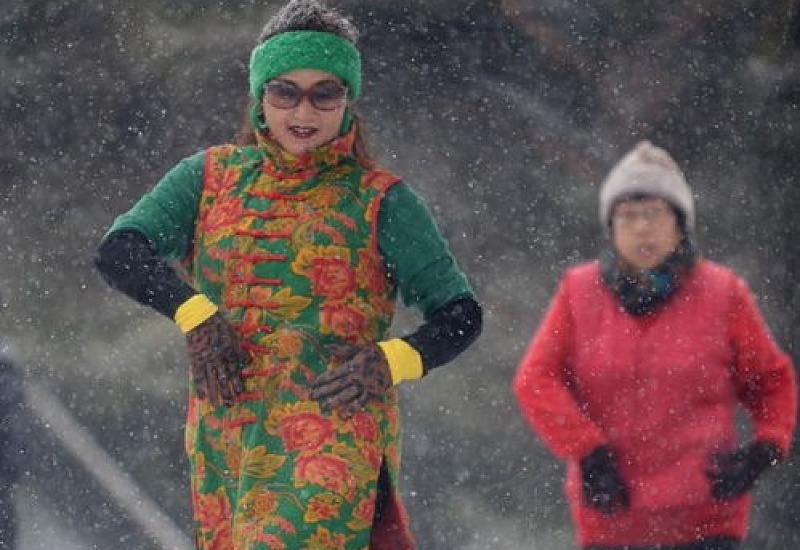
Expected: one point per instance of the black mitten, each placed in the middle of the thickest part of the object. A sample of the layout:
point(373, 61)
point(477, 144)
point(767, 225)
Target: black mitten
point(734, 473)
point(603, 487)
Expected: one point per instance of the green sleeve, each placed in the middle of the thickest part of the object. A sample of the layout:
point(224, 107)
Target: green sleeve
point(166, 214)
point(416, 254)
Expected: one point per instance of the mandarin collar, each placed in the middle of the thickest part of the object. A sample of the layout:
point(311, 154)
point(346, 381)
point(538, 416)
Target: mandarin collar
point(282, 163)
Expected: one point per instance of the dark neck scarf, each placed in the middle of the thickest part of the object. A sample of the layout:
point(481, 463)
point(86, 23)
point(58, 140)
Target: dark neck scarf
point(640, 292)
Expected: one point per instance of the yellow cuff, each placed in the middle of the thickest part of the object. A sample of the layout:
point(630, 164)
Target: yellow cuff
point(405, 363)
point(194, 311)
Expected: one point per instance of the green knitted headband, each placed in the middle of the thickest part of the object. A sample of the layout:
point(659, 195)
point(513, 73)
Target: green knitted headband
point(292, 50)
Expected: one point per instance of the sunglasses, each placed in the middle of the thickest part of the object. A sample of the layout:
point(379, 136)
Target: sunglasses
point(325, 96)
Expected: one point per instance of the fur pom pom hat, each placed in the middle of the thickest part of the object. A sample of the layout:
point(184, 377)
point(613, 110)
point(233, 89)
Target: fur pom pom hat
point(647, 170)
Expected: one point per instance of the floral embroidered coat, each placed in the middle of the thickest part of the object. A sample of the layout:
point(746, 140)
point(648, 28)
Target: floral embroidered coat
point(289, 249)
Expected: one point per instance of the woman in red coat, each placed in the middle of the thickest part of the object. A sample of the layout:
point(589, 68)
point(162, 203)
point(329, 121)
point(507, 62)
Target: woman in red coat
point(635, 375)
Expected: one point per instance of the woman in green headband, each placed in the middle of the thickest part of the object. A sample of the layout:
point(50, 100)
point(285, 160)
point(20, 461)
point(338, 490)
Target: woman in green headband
point(291, 247)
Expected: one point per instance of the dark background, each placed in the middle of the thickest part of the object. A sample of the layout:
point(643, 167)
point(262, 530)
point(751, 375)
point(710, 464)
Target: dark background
point(504, 114)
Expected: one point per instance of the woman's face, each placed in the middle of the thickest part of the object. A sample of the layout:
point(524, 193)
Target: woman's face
point(645, 231)
point(304, 126)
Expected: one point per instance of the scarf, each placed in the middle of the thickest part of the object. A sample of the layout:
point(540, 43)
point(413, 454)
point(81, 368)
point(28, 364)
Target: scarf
point(641, 291)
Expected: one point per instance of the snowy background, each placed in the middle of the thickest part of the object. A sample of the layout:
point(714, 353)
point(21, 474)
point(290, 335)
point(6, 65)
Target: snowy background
point(504, 114)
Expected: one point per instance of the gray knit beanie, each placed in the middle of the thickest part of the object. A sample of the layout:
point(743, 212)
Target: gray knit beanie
point(650, 171)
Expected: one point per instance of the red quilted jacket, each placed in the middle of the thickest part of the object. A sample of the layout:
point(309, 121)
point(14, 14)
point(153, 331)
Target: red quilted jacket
point(662, 390)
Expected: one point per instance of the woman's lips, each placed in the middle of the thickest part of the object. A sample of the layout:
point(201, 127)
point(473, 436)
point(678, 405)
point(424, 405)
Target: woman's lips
point(302, 132)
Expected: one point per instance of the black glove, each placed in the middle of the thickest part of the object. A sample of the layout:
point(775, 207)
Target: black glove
point(216, 358)
point(734, 473)
point(363, 374)
point(603, 487)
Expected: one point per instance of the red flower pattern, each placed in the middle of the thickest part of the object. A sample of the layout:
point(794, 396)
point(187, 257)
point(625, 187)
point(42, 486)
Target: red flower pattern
point(226, 212)
point(343, 320)
point(305, 431)
point(332, 277)
point(327, 470)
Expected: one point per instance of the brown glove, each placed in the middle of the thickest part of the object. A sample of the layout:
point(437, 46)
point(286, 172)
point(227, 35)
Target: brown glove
point(216, 357)
point(363, 374)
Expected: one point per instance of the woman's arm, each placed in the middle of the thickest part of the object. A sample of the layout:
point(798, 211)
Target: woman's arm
point(128, 262)
point(542, 386)
point(133, 259)
point(134, 256)
point(447, 332)
point(419, 260)
point(763, 374)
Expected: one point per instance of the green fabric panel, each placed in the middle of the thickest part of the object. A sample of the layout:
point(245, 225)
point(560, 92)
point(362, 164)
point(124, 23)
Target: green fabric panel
point(166, 214)
point(417, 255)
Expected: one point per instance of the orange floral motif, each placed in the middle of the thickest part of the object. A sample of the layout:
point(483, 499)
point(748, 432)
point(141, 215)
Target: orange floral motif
point(264, 504)
point(290, 342)
point(230, 177)
point(235, 294)
point(251, 321)
point(372, 275)
point(325, 539)
point(215, 167)
point(322, 507)
point(343, 320)
point(327, 470)
point(325, 197)
point(233, 452)
point(363, 512)
point(305, 431)
point(332, 277)
point(225, 212)
point(261, 296)
point(373, 456)
point(249, 533)
point(285, 525)
point(239, 270)
point(212, 510)
point(222, 538)
point(364, 426)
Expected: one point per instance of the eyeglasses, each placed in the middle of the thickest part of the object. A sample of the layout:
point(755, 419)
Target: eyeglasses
point(325, 96)
point(649, 215)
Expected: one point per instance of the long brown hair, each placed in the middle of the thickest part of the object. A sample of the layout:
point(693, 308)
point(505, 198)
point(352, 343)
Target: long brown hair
point(306, 15)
